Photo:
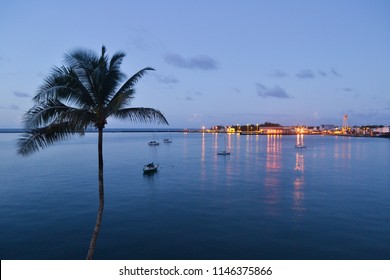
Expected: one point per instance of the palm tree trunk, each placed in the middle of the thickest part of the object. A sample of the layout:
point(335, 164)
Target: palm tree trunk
point(101, 197)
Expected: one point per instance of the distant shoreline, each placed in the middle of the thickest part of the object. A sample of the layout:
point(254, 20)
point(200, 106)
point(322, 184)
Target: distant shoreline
point(117, 130)
point(191, 130)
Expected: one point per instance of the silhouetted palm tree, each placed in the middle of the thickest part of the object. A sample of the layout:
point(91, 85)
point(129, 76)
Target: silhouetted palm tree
point(85, 91)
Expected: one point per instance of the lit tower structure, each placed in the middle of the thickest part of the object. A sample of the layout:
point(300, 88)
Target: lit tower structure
point(345, 124)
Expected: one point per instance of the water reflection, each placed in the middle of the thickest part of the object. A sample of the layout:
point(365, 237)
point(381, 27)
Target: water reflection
point(342, 150)
point(203, 158)
point(299, 163)
point(272, 181)
point(274, 149)
point(203, 145)
point(299, 182)
point(299, 141)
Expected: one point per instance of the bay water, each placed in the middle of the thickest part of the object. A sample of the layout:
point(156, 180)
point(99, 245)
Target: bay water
point(267, 200)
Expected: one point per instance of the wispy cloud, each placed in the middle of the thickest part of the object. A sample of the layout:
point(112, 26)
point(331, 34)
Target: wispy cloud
point(275, 91)
point(10, 107)
point(334, 72)
point(21, 94)
point(278, 74)
point(140, 43)
point(142, 40)
point(202, 62)
point(236, 90)
point(322, 73)
point(306, 74)
point(169, 79)
point(192, 95)
point(348, 91)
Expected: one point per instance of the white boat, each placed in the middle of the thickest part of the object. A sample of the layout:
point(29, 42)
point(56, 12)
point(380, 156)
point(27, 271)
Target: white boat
point(224, 152)
point(150, 167)
point(167, 140)
point(153, 143)
point(300, 146)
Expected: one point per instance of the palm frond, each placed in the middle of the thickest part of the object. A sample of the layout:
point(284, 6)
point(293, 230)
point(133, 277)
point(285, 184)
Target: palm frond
point(81, 58)
point(113, 77)
point(84, 62)
point(130, 83)
point(140, 114)
point(34, 140)
point(54, 111)
point(64, 84)
point(120, 101)
point(124, 95)
point(116, 61)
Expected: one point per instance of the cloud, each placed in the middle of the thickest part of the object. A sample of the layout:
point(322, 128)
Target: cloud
point(310, 74)
point(275, 91)
point(349, 91)
point(140, 43)
point(141, 39)
point(202, 62)
point(334, 72)
point(236, 90)
point(322, 73)
point(306, 74)
point(10, 107)
point(196, 94)
point(278, 74)
point(166, 79)
point(21, 94)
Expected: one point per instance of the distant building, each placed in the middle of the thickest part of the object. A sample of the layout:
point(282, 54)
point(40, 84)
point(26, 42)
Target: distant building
point(327, 127)
point(277, 130)
point(384, 129)
point(380, 130)
point(230, 129)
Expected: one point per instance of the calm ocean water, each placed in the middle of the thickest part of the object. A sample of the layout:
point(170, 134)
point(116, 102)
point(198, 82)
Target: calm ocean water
point(267, 200)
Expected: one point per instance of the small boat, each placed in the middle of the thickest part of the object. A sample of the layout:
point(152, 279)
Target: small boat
point(167, 140)
point(224, 152)
point(300, 146)
point(150, 167)
point(153, 143)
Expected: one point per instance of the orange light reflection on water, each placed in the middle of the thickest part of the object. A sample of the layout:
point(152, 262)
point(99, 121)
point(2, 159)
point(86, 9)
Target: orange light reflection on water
point(272, 178)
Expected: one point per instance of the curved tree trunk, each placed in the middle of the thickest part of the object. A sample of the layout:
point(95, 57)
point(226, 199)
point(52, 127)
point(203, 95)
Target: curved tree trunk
point(99, 216)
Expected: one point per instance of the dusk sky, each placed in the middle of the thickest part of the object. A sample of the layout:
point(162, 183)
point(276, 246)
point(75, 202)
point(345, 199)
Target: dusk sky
point(217, 62)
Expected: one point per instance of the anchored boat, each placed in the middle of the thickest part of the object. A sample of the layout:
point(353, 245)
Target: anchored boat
point(150, 168)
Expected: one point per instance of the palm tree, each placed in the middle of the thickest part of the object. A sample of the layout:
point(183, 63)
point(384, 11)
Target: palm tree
point(85, 91)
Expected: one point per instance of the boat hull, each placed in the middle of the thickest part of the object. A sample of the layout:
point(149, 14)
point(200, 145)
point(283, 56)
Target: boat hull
point(150, 168)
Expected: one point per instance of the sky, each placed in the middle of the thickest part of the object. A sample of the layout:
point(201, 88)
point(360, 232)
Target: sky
point(217, 62)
